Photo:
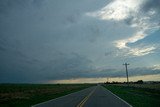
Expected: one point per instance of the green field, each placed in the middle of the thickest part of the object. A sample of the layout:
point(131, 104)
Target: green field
point(137, 96)
point(25, 95)
point(146, 86)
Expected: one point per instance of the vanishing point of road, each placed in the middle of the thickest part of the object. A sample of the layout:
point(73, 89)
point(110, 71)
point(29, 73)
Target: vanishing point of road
point(96, 96)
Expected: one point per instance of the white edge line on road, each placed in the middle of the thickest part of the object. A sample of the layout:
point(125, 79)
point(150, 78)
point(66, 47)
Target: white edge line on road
point(120, 98)
point(58, 98)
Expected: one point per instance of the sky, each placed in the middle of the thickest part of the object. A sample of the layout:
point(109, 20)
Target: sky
point(78, 41)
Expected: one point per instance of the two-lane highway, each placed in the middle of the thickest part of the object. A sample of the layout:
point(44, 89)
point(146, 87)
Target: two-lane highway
point(104, 98)
point(96, 96)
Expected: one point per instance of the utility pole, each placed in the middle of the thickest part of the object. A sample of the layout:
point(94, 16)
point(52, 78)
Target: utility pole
point(126, 64)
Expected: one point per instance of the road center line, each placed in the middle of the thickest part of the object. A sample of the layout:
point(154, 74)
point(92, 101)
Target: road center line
point(85, 99)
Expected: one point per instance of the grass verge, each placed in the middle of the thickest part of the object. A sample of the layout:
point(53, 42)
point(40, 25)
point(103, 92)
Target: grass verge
point(25, 95)
point(137, 97)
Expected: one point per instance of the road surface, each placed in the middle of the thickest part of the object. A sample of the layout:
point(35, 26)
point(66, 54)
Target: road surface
point(96, 96)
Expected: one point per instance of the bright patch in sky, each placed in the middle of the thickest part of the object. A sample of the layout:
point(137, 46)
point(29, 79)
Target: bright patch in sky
point(118, 10)
point(98, 80)
point(141, 51)
point(130, 10)
point(156, 67)
point(123, 43)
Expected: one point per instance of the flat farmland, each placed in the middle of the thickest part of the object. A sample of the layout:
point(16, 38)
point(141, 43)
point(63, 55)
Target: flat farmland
point(147, 86)
point(138, 95)
point(25, 95)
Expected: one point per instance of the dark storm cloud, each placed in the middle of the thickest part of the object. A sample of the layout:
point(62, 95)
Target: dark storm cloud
point(65, 67)
point(151, 4)
point(62, 67)
point(44, 40)
point(122, 73)
point(33, 32)
point(144, 71)
point(146, 10)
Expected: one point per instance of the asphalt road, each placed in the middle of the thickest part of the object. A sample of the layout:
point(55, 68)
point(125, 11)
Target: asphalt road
point(96, 96)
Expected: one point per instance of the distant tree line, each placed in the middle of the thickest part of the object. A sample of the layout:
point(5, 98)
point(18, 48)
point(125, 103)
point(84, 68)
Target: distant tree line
point(131, 82)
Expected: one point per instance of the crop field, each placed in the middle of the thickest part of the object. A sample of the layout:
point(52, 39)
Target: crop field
point(148, 86)
point(25, 95)
point(138, 95)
